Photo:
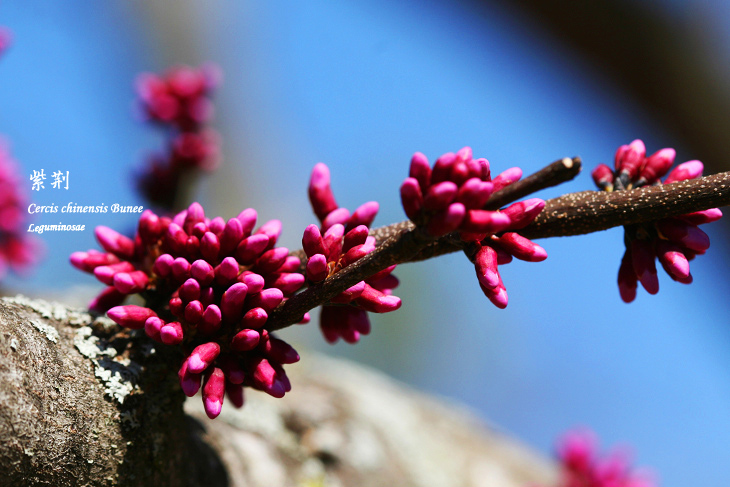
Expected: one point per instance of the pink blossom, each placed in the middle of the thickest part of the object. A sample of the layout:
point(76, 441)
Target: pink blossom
point(674, 241)
point(342, 240)
point(211, 304)
point(18, 250)
point(180, 103)
point(583, 466)
point(453, 196)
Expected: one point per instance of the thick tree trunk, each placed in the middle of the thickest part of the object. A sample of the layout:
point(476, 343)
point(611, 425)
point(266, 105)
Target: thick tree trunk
point(85, 403)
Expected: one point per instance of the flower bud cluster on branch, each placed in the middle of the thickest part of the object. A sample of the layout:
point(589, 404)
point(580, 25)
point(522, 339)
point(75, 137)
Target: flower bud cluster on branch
point(179, 103)
point(18, 250)
point(218, 289)
point(581, 465)
point(673, 241)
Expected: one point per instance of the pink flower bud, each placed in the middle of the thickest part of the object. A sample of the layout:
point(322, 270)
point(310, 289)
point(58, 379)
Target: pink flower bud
point(271, 229)
point(203, 356)
point(312, 241)
point(171, 333)
point(245, 340)
point(333, 242)
point(199, 229)
point(106, 273)
point(217, 225)
point(629, 158)
point(177, 307)
point(627, 280)
point(180, 269)
point(291, 264)
point(232, 302)
point(507, 177)
point(176, 238)
point(420, 170)
point(459, 172)
point(354, 237)
point(253, 281)
point(363, 215)
point(656, 165)
point(686, 170)
point(190, 290)
point(439, 196)
point(192, 246)
point(280, 351)
point(107, 299)
point(231, 236)
point(349, 294)
point(356, 253)
point(340, 216)
point(376, 302)
point(88, 261)
point(320, 191)
point(702, 217)
point(287, 282)
point(254, 318)
point(265, 378)
point(130, 282)
point(194, 312)
point(483, 221)
point(195, 215)
point(250, 248)
point(213, 392)
point(227, 271)
point(152, 327)
point(474, 193)
point(248, 220)
point(447, 221)
point(211, 321)
point(317, 269)
point(189, 381)
point(497, 295)
point(673, 260)
point(116, 243)
point(268, 299)
point(202, 272)
point(130, 316)
point(685, 233)
point(524, 212)
point(149, 227)
point(442, 168)
point(522, 248)
point(210, 247)
point(271, 260)
point(411, 198)
point(642, 258)
point(603, 177)
point(485, 264)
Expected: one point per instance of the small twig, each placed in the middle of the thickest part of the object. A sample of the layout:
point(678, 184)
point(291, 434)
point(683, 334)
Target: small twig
point(551, 175)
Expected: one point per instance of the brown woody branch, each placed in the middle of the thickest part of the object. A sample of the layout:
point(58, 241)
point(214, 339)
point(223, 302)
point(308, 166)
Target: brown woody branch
point(572, 214)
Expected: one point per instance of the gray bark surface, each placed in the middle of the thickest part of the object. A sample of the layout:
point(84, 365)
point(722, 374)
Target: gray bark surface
point(83, 402)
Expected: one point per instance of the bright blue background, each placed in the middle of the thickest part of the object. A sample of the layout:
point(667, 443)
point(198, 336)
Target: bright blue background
point(361, 86)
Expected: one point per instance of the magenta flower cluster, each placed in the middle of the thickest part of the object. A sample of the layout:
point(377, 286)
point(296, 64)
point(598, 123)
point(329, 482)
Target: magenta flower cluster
point(343, 240)
point(18, 250)
point(180, 103)
point(581, 465)
point(452, 196)
point(673, 241)
point(215, 281)
point(6, 38)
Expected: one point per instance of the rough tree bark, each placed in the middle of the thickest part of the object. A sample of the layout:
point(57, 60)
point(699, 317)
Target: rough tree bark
point(83, 402)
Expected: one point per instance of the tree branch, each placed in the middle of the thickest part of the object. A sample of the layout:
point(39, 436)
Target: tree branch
point(573, 214)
